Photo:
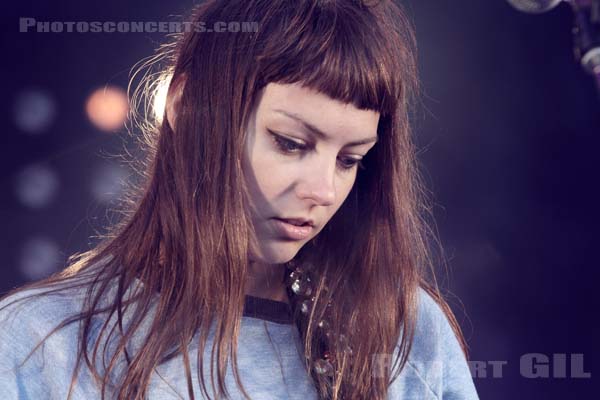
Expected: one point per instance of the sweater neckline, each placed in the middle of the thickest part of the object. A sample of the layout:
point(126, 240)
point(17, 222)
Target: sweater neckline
point(267, 309)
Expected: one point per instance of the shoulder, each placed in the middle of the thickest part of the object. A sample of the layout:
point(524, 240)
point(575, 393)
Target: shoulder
point(434, 338)
point(44, 305)
point(436, 366)
point(28, 364)
point(30, 314)
point(432, 327)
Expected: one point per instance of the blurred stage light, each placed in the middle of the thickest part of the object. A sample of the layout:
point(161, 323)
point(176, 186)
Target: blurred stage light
point(37, 186)
point(39, 257)
point(34, 111)
point(108, 182)
point(160, 97)
point(107, 108)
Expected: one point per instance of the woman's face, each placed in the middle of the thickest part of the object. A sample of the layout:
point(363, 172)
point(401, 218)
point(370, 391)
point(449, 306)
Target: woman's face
point(301, 161)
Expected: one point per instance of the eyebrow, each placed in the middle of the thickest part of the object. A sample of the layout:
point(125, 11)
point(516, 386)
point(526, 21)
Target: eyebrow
point(319, 133)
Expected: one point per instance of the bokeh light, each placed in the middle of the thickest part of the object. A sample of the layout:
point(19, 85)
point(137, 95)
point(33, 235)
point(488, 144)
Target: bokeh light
point(36, 186)
point(34, 111)
point(108, 182)
point(38, 258)
point(107, 108)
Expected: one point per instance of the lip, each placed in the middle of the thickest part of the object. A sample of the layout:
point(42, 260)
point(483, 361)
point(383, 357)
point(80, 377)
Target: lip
point(292, 231)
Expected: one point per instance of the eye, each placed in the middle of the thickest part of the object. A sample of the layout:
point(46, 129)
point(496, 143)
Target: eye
point(349, 163)
point(287, 145)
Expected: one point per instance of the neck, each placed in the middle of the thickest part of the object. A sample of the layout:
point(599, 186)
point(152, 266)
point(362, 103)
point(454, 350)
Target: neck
point(265, 281)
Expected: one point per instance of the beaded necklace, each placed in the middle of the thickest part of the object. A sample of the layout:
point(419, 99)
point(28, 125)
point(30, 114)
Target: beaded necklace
point(300, 288)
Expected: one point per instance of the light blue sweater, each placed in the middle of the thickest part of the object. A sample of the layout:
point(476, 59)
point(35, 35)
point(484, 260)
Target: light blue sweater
point(268, 359)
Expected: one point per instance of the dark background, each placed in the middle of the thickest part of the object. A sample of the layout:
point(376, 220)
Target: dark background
point(508, 134)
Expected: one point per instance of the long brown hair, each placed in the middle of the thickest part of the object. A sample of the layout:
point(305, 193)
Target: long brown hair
point(186, 233)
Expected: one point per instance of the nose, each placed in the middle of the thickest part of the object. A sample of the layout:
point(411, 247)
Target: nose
point(318, 184)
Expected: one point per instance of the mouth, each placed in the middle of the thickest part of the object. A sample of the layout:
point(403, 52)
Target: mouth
point(297, 221)
point(293, 229)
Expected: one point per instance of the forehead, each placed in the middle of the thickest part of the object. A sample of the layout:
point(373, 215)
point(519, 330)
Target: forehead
point(279, 101)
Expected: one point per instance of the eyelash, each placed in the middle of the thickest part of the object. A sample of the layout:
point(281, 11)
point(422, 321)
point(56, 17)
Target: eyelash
point(288, 146)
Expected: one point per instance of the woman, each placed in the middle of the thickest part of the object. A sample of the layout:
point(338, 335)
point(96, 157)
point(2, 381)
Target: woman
point(276, 247)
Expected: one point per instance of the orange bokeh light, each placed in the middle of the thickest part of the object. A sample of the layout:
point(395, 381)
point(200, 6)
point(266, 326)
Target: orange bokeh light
point(107, 108)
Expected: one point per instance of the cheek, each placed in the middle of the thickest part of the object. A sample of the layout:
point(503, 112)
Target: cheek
point(342, 193)
point(268, 177)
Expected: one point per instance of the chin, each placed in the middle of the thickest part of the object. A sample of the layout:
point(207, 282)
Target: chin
point(277, 253)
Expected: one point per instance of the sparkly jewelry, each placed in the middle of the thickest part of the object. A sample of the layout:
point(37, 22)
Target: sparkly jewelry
point(300, 288)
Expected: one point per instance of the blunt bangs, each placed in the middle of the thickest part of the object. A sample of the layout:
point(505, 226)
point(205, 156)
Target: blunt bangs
point(329, 55)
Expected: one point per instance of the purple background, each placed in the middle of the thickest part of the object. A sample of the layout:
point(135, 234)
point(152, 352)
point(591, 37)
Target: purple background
point(508, 137)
